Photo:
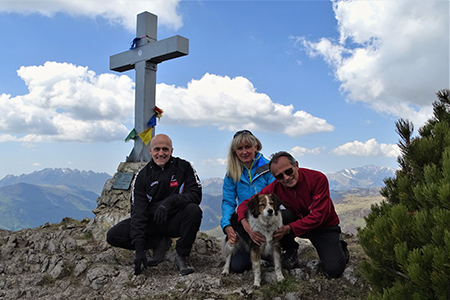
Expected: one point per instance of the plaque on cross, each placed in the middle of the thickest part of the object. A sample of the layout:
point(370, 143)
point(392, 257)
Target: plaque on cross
point(144, 58)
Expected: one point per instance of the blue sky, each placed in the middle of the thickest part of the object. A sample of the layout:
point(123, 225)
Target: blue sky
point(324, 80)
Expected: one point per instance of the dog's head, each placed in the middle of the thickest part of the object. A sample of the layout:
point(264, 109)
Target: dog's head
point(263, 204)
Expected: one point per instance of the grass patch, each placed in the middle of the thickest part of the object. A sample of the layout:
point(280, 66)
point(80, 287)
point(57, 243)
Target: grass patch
point(270, 291)
point(47, 280)
point(87, 235)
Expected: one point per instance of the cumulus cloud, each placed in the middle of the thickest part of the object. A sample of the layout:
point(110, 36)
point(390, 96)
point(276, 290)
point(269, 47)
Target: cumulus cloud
point(368, 148)
point(298, 151)
point(232, 104)
point(122, 13)
point(67, 103)
point(393, 55)
point(71, 103)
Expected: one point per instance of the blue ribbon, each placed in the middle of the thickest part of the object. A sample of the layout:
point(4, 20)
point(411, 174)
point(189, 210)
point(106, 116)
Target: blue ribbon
point(133, 44)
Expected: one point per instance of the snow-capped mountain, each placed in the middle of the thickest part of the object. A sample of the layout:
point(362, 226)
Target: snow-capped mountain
point(363, 177)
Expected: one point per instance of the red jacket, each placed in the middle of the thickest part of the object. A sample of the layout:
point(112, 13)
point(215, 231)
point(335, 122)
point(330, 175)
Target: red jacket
point(309, 199)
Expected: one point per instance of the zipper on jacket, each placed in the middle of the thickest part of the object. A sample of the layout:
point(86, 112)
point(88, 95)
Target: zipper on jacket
point(249, 171)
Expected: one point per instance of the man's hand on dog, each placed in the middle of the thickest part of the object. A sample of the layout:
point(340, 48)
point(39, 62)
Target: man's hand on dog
point(278, 235)
point(232, 236)
point(257, 237)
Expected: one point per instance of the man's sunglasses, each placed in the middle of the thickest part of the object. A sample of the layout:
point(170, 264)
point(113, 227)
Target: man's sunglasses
point(288, 172)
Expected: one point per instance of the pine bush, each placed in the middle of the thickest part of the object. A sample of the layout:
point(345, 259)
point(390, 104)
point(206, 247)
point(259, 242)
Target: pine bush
point(407, 236)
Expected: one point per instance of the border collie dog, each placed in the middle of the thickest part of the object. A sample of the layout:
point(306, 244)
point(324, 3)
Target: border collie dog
point(264, 216)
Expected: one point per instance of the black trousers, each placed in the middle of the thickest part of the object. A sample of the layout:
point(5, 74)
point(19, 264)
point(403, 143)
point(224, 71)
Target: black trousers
point(183, 224)
point(327, 242)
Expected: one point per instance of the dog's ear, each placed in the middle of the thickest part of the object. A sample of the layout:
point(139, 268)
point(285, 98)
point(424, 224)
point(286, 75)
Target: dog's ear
point(253, 205)
point(276, 201)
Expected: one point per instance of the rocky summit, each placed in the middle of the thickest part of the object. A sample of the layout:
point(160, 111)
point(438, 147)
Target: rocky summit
point(71, 260)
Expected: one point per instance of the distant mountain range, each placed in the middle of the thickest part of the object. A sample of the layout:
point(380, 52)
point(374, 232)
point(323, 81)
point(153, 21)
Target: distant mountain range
point(24, 205)
point(49, 195)
point(364, 177)
point(85, 180)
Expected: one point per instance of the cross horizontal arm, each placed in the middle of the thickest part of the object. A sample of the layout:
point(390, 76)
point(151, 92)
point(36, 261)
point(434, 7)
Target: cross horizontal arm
point(155, 52)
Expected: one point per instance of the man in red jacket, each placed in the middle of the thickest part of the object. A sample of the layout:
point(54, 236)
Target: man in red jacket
point(309, 214)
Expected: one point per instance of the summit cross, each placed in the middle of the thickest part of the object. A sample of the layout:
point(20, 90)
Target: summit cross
point(144, 59)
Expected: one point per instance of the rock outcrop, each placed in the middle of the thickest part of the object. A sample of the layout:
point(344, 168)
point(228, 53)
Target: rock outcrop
point(71, 260)
point(113, 205)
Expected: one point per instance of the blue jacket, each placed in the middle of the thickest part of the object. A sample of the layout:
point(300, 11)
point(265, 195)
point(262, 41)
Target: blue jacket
point(251, 182)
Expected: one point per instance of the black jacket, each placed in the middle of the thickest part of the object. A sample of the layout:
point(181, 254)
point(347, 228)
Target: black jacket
point(177, 180)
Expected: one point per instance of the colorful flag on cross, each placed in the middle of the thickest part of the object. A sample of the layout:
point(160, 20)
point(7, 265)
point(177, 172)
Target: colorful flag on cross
point(146, 135)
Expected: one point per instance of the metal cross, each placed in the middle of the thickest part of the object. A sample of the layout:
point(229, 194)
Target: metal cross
point(144, 58)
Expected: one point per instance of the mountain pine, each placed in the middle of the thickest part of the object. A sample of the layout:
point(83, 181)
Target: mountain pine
point(407, 236)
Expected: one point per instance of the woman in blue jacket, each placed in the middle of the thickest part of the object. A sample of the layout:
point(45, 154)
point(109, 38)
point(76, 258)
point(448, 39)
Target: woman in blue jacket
point(247, 173)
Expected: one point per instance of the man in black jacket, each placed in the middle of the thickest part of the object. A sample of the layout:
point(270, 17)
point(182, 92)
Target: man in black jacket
point(164, 204)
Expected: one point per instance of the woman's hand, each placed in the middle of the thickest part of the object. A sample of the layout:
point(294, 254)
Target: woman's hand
point(232, 236)
point(257, 237)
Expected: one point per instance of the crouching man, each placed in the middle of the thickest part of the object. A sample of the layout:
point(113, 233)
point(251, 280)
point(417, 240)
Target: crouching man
point(164, 204)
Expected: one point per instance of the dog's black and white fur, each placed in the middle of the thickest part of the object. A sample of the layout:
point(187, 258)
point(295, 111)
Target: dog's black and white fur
point(264, 216)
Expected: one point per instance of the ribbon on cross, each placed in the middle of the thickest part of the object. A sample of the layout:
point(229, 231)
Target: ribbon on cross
point(133, 44)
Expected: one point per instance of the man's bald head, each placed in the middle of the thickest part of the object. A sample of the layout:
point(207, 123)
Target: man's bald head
point(161, 149)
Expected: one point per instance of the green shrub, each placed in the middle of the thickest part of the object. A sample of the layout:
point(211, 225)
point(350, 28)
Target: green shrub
point(407, 236)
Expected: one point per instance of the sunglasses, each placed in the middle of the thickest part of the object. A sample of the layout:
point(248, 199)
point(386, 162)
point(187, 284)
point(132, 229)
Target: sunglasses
point(288, 172)
point(245, 131)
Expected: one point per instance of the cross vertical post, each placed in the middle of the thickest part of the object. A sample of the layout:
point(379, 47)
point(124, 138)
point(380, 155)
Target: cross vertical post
point(144, 58)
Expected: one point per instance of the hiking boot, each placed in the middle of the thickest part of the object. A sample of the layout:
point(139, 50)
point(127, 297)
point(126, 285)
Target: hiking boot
point(290, 260)
point(159, 251)
point(184, 264)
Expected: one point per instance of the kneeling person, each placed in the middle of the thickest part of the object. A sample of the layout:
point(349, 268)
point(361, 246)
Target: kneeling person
point(164, 204)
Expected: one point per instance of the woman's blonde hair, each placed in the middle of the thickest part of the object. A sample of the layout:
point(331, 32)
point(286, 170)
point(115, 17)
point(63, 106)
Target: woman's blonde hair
point(234, 165)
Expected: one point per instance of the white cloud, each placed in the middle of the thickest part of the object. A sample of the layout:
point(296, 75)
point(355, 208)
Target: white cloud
point(300, 151)
point(122, 13)
point(393, 55)
point(7, 138)
point(214, 162)
point(232, 104)
point(67, 103)
point(369, 148)
point(71, 103)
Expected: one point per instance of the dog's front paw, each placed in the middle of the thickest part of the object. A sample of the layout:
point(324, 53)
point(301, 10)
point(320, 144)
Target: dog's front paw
point(225, 273)
point(256, 285)
point(279, 275)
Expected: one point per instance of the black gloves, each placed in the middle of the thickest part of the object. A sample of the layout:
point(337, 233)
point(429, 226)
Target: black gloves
point(139, 258)
point(161, 214)
point(162, 211)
